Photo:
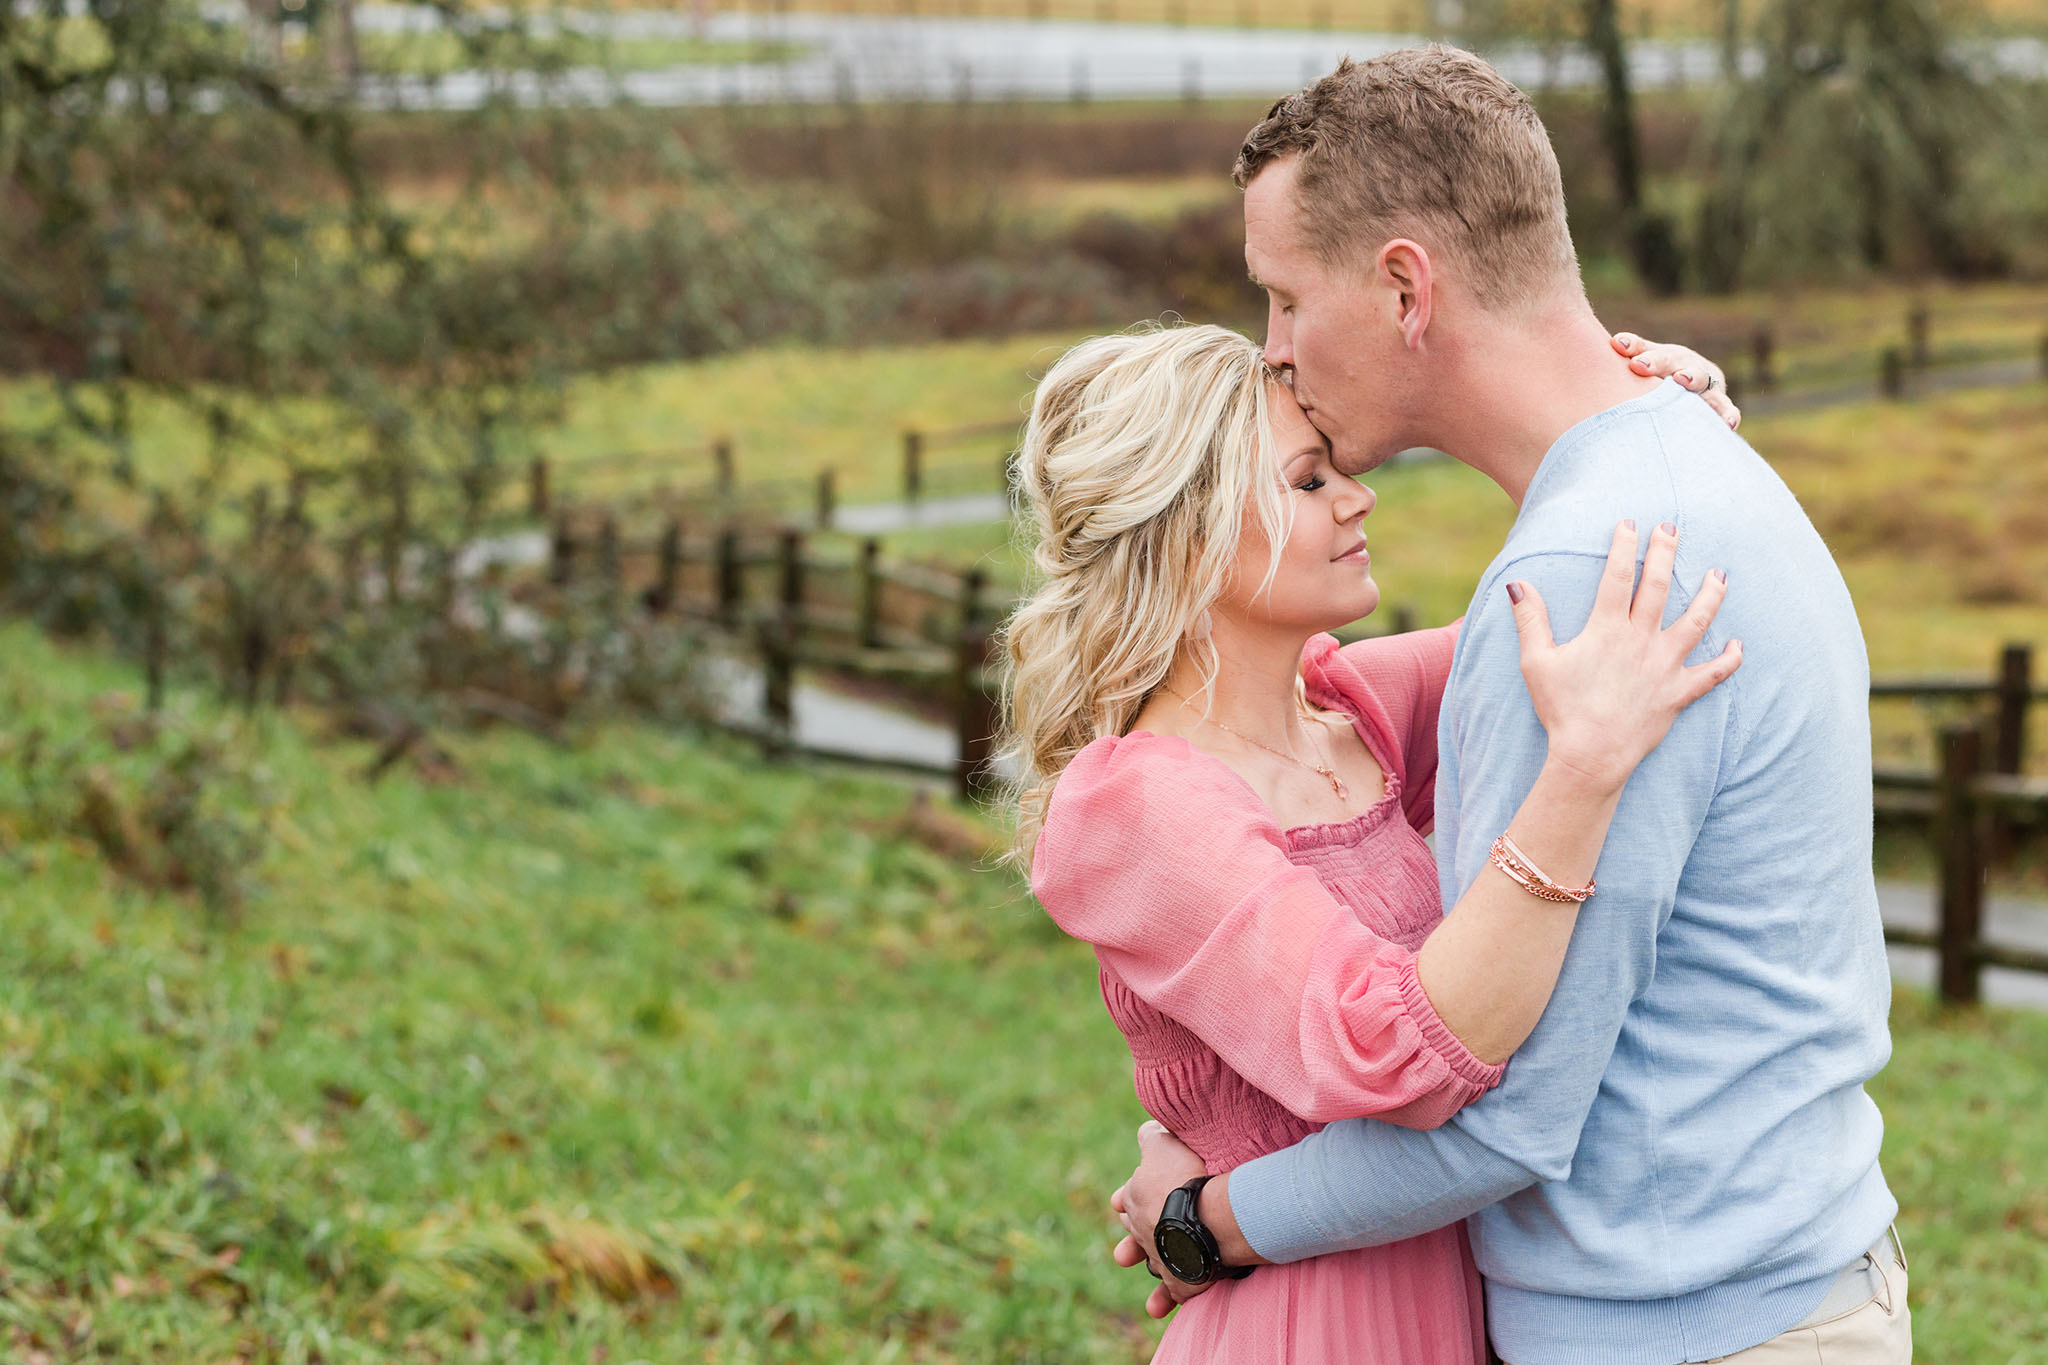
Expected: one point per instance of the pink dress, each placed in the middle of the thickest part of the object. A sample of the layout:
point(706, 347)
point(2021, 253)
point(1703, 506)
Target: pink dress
point(1309, 1011)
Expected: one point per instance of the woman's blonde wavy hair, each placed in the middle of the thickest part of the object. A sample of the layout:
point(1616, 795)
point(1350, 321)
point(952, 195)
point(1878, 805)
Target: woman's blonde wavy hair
point(1142, 453)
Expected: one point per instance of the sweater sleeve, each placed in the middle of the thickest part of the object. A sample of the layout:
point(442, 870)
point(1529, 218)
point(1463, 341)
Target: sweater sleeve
point(1162, 858)
point(1365, 1184)
point(1400, 679)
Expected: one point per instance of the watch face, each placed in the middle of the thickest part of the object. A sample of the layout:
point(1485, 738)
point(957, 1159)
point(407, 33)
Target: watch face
point(1181, 1252)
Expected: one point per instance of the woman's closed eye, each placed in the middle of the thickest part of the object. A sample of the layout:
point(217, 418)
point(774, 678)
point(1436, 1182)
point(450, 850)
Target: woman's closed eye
point(1311, 483)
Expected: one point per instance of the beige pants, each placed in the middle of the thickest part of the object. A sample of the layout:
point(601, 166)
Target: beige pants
point(1878, 1331)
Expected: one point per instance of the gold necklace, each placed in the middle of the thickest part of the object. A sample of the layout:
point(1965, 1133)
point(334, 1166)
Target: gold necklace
point(1321, 770)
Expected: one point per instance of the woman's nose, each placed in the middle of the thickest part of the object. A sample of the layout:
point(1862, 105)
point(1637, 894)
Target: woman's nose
point(1356, 503)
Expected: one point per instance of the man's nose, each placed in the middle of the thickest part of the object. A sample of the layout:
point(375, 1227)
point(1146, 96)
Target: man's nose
point(1279, 352)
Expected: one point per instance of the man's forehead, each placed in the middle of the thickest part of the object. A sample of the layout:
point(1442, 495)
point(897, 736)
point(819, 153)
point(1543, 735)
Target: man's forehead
point(1270, 226)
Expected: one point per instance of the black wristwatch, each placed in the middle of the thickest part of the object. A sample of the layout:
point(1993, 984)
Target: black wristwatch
point(1185, 1244)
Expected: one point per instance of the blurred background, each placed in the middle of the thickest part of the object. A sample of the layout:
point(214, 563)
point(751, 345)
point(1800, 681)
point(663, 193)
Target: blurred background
point(502, 510)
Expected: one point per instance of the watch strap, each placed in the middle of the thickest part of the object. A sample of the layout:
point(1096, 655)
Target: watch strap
point(1184, 1207)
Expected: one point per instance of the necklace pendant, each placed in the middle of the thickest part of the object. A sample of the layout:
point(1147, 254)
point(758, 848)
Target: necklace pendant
point(1336, 784)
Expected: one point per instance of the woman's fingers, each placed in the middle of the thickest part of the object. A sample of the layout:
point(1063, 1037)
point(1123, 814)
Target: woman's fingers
point(1127, 1253)
point(1159, 1303)
point(1655, 589)
point(1658, 360)
point(1682, 363)
point(1701, 679)
point(1618, 580)
point(1532, 621)
point(1691, 628)
point(1723, 406)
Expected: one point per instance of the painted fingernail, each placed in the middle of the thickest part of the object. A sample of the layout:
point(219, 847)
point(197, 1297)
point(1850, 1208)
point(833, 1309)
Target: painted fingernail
point(1515, 593)
point(1630, 523)
point(1684, 378)
point(1627, 339)
point(1668, 529)
point(1721, 576)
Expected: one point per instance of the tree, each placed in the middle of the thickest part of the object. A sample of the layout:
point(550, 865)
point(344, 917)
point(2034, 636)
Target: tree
point(1652, 241)
point(1849, 144)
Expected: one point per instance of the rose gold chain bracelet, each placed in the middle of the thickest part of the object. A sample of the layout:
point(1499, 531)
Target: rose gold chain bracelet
point(1530, 878)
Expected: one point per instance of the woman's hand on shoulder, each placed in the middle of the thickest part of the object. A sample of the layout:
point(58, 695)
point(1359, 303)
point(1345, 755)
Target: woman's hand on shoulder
point(1609, 696)
point(1662, 360)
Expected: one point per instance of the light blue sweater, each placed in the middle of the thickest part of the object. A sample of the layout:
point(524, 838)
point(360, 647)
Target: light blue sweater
point(1682, 1156)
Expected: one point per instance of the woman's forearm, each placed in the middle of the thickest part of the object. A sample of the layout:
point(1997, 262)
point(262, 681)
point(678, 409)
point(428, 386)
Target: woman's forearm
point(1489, 968)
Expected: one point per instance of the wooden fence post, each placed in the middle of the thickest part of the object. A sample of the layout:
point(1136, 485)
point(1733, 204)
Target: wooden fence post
point(668, 572)
point(1891, 372)
point(561, 552)
point(913, 465)
point(777, 640)
point(792, 555)
point(979, 715)
point(727, 576)
point(609, 569)
point(1763, 368)
point(537, 489)
point(2009, 735)
point(828, 498)
point(1918, 352)
point(972, 584)
point(1962, 869)
point(870, 608)
point(721, 458)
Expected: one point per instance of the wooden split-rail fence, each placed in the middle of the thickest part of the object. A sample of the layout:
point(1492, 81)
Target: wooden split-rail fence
point(929, 630)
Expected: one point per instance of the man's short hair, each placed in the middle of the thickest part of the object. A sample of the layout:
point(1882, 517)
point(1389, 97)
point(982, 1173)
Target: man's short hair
point(1429, 142)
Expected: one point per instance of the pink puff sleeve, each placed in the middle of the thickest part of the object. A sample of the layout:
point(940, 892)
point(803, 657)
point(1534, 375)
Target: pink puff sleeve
point(1397, 683)
point(1162, 858)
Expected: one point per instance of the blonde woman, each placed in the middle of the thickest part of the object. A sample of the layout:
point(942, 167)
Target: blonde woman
point(1191, 736)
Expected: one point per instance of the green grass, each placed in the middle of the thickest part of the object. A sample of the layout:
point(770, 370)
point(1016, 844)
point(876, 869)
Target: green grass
point(475, 1042)
point(641, 1050)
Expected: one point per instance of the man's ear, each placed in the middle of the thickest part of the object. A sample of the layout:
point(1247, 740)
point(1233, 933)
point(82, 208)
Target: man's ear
point(1405, 271)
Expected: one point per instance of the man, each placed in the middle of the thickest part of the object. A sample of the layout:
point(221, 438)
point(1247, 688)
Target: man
point(1681, 1163)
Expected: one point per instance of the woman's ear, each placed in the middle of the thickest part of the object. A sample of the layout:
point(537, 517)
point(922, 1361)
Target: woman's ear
point(1405, 271)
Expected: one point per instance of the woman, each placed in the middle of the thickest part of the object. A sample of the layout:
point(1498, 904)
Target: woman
point(1172, 674)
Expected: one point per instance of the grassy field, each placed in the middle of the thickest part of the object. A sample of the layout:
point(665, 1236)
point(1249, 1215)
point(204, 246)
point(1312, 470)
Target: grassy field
point(637, 1050)
point(794, 410)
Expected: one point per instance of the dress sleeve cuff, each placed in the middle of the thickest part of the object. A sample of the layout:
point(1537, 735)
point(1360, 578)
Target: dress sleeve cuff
point(1481, 1076)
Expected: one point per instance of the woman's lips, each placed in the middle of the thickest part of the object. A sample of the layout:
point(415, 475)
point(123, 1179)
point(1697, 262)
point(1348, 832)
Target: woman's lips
point(1355, 555)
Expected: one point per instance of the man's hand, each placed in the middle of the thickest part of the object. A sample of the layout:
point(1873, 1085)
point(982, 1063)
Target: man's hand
point(1164, 1165)
point(1687, 366)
